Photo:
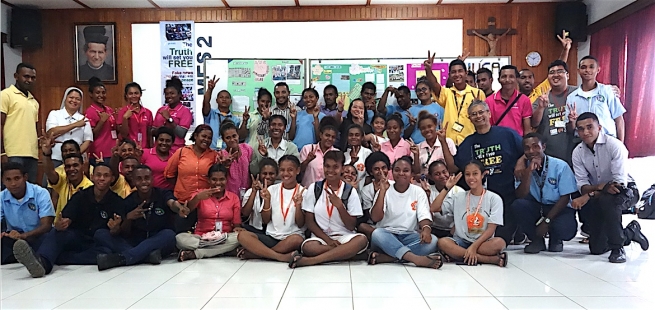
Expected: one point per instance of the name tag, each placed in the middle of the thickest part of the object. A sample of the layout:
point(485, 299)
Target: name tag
point(560, 124)
point(114, 135)
point(218, 225)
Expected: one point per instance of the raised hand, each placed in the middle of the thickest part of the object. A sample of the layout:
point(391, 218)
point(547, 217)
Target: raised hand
point(427, 64)
point(465, 54)
point(383, 184)
point(256, 185)
point(262, 148)
point(99, 159)
point(413, 147)
point(425, 186)
point(543, 100)
point(293, 112)
point(452, 181)
point(82, 122)
point(375, 144)
point(206, 194)
point(341, 101)
point(565, 40)
point(266, 113)
point(441, 135)
point(312, 155)
point(114, 222)
point(128, 114)
point(116, 150)
point(334, 199)
point(297, 199)
point(246, 115)
point(47, 142)
point(535, 164)
point(138, 212)
point(391, 89)
point(183, 209)
point(212, 83)
point(573, 114)
point(264, 193)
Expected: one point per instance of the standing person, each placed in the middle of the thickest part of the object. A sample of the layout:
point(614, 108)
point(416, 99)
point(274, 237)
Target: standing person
point(429, 107)
point(396, 147)
point(274, 146)
point(442, 225)
point(403, 102)
point(102, 121)
point(599, 163)
point(526, 77)
point(282, 107)
point(485, 80)
point(333, 233)
point(597, 98)
point(431, 149)
point(258, 123)
point(455, 100)
point(403, 218)
point(26, 209)
point(215, 117)
point(470, 79)
point(367, 95)
point(308, 120)
point(498, 148)
point(477, 212)
point(174, 114)
point(311, 156)
point(333, 102)
point(20, 117)
point(157, 158)
point(134, 120)
point(252, 202)
point(356, 154)
point(356, 115)
point(68, 123)
point(236, 158)
point(218, 213)
point(510, 108)
point(544, 193)
point(284, 224)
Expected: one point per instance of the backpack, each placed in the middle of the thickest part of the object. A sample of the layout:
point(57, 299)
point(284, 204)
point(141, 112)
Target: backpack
point(345, 195)
point(645, 207)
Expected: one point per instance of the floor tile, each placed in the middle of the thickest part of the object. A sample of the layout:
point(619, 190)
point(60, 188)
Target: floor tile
point(13, 303)
point(596, 288)
point(98, 303)
point(254, 290)
point(45, 291)
point(460, 287)
point(244, 303)
point(546, 303)
point(171, 303)
point(390, 303)
point(185, 290)
point(368, 290)
point(321, 290)
point(613, 302)
point(120, 289)
point(390, 273)
point(316, 303)
point(325, 273)
point(486, 303)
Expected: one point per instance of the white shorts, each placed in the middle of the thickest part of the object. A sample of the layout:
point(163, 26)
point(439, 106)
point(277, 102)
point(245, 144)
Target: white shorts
point(341, 238)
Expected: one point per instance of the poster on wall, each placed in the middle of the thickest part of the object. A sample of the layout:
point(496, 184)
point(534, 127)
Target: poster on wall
point(177, 59)
point(243, 78)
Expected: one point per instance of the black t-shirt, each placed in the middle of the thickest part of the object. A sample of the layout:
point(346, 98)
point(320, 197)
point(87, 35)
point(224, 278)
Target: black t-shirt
point(343, 132)
point(88, 215)
point(159, 217)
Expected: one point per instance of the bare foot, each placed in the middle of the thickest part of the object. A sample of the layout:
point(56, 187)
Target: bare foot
point(434, 261)
point(186, 255)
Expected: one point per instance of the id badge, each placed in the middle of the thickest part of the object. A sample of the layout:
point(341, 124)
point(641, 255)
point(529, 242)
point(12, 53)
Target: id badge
point(553, 131)
point(114, 135)
point(560, 124)
point(219, 144)
point(139, 137)
point(475, 223)
point(218, 225)
point(458, 127)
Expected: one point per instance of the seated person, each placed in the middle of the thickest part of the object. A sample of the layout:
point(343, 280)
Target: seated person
point(125, 157)
point(377, 165)
point(219, 211)
point(147, 230)
point(311, 156)
point(252, 201)
point(403, 218)
point(544, 192)
point(599, 163)
point(331, 209)
point(442, 226)
point(26, 208)
point(236, 158)
point(274, 146)
point(71, 241)
point(282, 214)
point(477, 212)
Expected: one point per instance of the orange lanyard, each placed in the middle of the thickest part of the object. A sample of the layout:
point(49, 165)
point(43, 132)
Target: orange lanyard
point(468, 202)
point(328, 206)
point(285, 213)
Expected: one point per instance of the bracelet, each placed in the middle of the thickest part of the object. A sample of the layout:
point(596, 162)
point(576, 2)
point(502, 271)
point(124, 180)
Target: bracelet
point(446, 188)
point(3, 154)
point(428, 226)
point(266, 210)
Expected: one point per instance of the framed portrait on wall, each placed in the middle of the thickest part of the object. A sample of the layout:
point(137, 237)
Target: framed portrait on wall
point(95, 52)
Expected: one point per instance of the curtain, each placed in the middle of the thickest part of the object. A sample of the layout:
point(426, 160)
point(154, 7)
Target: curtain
point(626, 56)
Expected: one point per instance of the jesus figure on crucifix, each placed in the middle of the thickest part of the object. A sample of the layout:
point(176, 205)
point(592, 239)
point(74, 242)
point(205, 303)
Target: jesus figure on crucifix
point(492, 40)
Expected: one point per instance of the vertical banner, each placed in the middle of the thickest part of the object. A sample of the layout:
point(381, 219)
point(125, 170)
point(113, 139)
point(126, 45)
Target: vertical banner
point(177, 59)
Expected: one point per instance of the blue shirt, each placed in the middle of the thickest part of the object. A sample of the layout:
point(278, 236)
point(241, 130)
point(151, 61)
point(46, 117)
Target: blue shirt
point(434, 109)
point(498, 150)
point(391, 109)
point(601, 101)
point(214, 120)
point(556, 179)
point(26, 215)
point(369, 114)
point(305, 133)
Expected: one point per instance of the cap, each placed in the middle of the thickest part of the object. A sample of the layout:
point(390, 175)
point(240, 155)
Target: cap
point(95, 34)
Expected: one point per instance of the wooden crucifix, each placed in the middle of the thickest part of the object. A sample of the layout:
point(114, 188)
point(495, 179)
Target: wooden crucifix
point(491, 34)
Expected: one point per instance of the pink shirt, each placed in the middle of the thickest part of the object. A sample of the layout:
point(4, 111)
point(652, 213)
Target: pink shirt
point(514, 118)
point(239, 176)
point(150, 159)
point(401, 149)
point(226, 209)
point(139, 125)
point(430, 153)
point(314, 171)
point(181, 116)
point(106, 138)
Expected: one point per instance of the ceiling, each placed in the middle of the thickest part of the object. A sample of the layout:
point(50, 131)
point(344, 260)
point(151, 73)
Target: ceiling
point(150, 4)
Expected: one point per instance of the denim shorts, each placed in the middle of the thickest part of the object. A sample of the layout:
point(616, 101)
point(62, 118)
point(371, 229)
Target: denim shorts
point(461, 242)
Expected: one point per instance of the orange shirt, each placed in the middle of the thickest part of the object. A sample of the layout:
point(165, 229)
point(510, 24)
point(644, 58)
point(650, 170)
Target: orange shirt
point(190, 170)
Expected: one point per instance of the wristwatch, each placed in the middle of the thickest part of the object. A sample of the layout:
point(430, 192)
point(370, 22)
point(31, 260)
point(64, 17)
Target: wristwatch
point(546, 220)
point(592, 194)
point(170, 120)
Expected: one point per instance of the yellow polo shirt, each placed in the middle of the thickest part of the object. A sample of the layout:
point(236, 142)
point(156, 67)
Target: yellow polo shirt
point(121, 187)
point(67, 190)
point(20, 136)
point(456, 104)
point(60, 170)
point(541, 89)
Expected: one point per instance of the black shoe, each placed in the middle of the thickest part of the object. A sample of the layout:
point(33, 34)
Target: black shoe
point(637, 236)
point(555, 245)
point(25, 255)
point(154, 257)
point(535, 246)
point(617, 256)
point(107, 261)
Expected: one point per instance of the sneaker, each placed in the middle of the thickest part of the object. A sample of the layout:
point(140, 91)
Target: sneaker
point(617, 256)
point(555, 245)
point(535, 246)
point(154, 257)
point(26, 256)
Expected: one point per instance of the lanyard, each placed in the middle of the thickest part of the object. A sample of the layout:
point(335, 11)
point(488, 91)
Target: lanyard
point(541, 181)
point(285, 213)
point(328, 206)
point(468, 202)
point(460, 105)
point(427, 149)
point(111, 116)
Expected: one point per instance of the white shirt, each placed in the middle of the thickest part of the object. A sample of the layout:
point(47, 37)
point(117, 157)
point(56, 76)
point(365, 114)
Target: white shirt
point(276, 153)
point(257, 205)
point(368, 194)
point(359, 164)
point(439, 221)
point(61, 117)
point(331, 225)
point(280, 227)
point(403, 211)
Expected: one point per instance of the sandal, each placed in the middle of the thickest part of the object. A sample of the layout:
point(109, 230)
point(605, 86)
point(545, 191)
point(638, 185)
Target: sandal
point(372, 256)
point(241, 252)
point(436, 261)
point(295, 257)
point(584, 241)
point(446, 258)
point(185, 255)
point(502, 262)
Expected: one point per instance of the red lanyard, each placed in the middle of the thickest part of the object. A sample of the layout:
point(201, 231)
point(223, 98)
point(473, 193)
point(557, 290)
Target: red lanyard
point(111, 116)
point(328, 206)
point(468, 201)
point(285, 213)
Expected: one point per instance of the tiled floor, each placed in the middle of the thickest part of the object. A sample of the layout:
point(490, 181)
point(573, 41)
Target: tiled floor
point(569, 280)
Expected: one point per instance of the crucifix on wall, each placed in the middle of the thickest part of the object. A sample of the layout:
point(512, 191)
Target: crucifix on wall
point(491, 34)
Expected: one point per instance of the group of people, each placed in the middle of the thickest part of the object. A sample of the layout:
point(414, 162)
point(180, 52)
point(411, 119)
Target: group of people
point(455, 178)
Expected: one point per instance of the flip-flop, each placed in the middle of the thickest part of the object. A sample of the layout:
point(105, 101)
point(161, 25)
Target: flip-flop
point(503, 259)
point(372, 256)
point(240, 252)
point(445, 257)
point(436, 261)
point(294, 259)
point(584, 241)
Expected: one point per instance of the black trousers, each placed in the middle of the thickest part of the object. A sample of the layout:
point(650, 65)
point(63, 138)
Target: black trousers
point(602, 221)
point(510, 226)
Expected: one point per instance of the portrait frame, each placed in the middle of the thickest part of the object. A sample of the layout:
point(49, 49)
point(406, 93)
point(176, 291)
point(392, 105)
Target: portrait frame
point(88, 58)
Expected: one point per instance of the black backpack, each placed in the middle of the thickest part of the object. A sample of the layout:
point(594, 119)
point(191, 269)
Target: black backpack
point(318, 188)
point(645, 207)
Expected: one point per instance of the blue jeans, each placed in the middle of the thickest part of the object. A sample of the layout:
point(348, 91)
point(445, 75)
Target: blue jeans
point(563, 227)
point(69, 247)
point(137, 249)
point(397, 245)
point(31, 164)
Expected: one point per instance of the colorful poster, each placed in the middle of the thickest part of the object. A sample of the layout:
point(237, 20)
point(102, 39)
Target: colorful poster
point(416, 71)
point(349, 78)
point(177, 59)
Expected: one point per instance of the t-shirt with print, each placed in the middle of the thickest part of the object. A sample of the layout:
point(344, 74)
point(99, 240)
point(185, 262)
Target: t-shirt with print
point(553, 126)
point(328, 219)
point(491, 211)
point(368, 195)
point(403, 211)
point(440, 221)
point(283, 212)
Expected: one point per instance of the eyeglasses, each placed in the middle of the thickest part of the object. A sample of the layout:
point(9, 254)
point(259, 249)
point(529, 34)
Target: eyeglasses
point(558, 72)
point(478, 113)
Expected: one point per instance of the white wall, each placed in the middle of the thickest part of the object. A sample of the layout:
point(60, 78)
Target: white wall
point(12, 56)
